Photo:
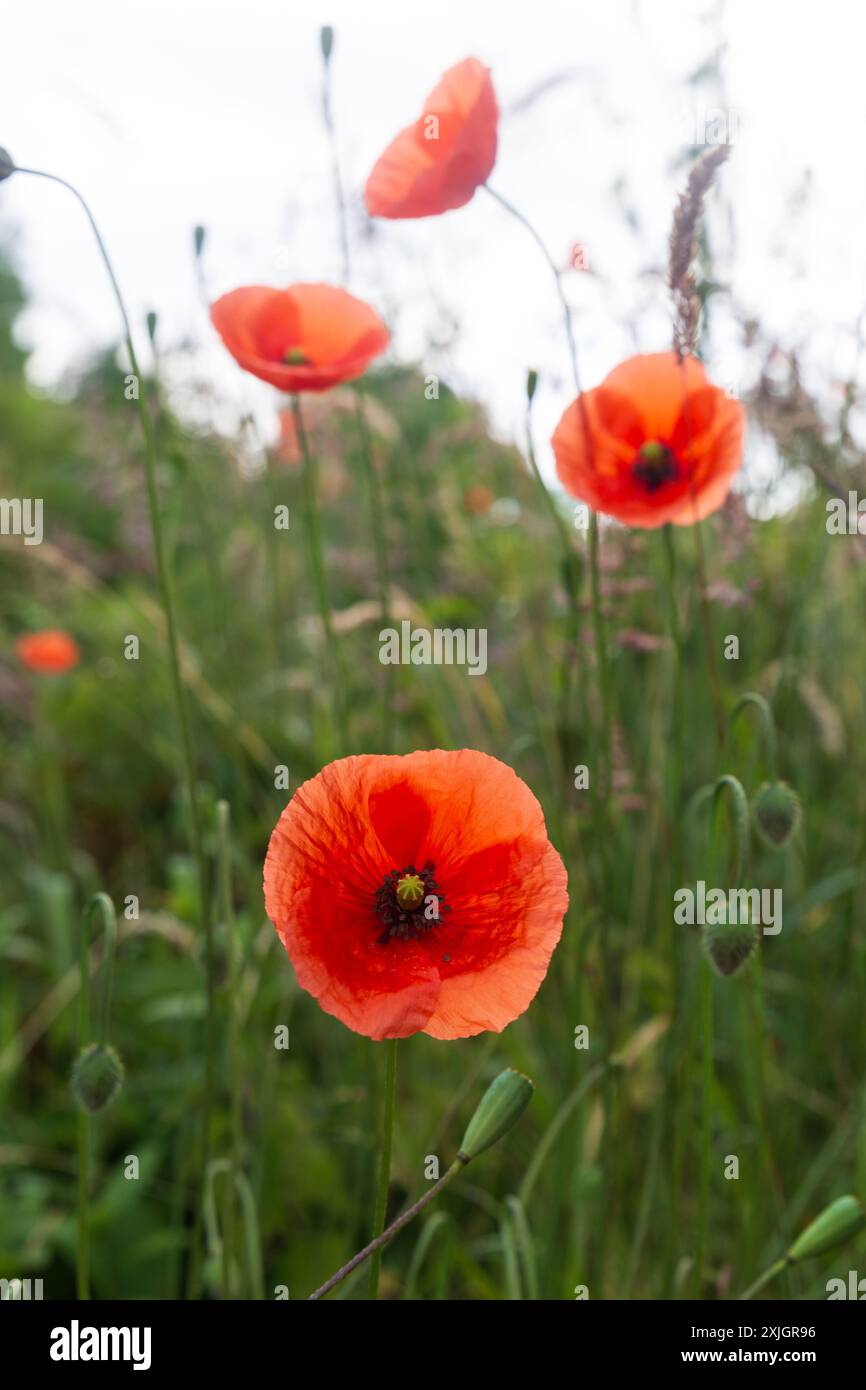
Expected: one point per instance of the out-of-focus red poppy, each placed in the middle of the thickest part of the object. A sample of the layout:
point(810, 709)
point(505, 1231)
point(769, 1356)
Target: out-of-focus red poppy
point(50, 653)
point(305, 338)
point(658, 442)
point(417, 893)
point(478, 499)
point(437, 163)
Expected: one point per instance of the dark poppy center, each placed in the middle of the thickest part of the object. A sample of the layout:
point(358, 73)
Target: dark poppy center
point(296, 357)
point(409, 903)
point(655, 465)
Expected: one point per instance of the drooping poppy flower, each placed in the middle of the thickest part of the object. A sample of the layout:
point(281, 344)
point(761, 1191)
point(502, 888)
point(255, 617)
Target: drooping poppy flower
point(49, 653)
point(417, 893)
point(304, 338)
point(437, 163)
point(658, 442)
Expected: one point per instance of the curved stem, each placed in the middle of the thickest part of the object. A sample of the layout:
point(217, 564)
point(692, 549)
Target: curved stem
point(594, 569)
point(402, 1220)
point(168, 606)
point(741, 823)
point(768, 727)
point(384, 1164)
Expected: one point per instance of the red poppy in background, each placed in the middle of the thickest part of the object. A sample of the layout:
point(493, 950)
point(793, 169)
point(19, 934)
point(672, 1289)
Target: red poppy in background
point(304, 338)
point(417, 893)
point(50, 653)
point(658, 442)
point(437, 163)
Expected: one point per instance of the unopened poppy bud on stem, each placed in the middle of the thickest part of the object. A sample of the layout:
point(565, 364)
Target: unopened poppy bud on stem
point(729, 945)
point(531, 383)
point(500, 1107)
point(326, 39)
point(837, 1223)
point(7, 164)
point(776, 812)
point(97, 1076)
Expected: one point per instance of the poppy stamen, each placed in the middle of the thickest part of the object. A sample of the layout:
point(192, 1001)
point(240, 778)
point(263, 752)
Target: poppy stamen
point(296, 357)
point(656, 464)
point(400, 899)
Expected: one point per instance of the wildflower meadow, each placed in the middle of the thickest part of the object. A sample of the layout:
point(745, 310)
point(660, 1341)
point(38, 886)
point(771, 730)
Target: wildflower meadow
point(434, 797)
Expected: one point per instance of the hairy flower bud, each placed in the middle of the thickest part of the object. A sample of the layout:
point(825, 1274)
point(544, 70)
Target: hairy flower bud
point(776, 812)
point(502, 1104)
point(729, 945)
point(7, 164)
point(97, 1077)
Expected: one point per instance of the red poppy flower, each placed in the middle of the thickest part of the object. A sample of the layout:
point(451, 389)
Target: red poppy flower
point(438, 162)
point(49, 653)
point(663, 443)
point(417, 894)
point(305, 338)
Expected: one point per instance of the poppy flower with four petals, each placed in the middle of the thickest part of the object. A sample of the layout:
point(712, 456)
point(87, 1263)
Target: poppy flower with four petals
point(658, 443)
point(437, 163)
point(308, 337)
point(417, 893)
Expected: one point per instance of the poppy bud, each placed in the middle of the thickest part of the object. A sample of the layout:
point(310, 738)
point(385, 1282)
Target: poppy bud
point(502, 1104)
point(837, 1223)
point(198, 236)
point(326, 39)
point(151, 326)
point(531, 383)
point(776, 812)
point(729, 945)
point(7, 164)
point(97, 1076)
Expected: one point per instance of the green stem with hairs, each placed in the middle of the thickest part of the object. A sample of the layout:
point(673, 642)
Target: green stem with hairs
point(384, 1166)
point(317, 564)
point(179, 693)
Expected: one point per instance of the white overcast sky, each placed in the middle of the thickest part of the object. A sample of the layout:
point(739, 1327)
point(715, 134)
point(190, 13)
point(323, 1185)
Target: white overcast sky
point(175, 112)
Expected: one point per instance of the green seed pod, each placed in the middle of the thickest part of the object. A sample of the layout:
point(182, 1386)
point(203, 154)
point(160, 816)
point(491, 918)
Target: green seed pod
point(326, 39)
point(7, 164)
point(502, 1104)
point(837, 1223)
point(776, 813)
point(729, 945)
point(97, 1077)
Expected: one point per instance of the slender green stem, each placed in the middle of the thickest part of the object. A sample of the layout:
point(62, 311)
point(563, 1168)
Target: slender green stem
point(599, 630)
point(228, 917)
point(706, 1122)
point(397, 1225)
point(187, 758)
point(82, 1254)
point(765, 1278)
point(384, 1162)
point(317, 563)
point(380, 549)
point(569, 647)
point(103, 903)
